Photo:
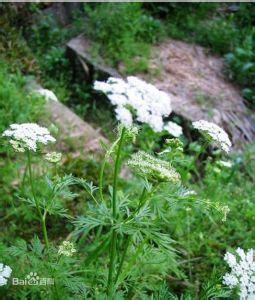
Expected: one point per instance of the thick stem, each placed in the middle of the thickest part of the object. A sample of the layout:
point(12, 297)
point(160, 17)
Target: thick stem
point(42, 217)
point(112, 254)
point(116, 173)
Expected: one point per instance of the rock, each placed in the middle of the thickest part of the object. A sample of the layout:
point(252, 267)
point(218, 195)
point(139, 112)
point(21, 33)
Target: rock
point(78, 49)
point(62, 12)
point(75, 135)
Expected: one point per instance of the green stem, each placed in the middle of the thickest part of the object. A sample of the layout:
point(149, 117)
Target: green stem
point(110, 287)
point(122, 258)
point(101, 179)
point(45, 229)
point(141, 200)
point(42, 217)
point(24, 176)
point(116, 172)
point(189, 246)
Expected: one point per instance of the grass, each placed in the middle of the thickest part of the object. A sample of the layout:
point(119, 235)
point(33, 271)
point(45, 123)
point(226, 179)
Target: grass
point(124, 31)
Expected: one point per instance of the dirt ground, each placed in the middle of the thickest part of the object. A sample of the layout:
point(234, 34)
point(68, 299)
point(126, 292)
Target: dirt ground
point(199, 89)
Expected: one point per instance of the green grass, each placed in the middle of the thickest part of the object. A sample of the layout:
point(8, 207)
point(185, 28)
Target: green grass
point(122, 33)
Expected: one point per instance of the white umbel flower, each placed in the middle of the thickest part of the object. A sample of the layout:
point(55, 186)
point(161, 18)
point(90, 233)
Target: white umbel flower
point(143, 100)
point(28, 136)
point(214, 133)
point(53, 157)
point(174, 129)
point(47, 94)
point(242, 273)
point(124, 116)
point(225, 164)
point(153, 168)
point(67, 249)
point(5, 273)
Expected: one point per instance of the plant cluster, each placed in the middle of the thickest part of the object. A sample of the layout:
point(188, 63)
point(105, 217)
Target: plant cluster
point(150, 235)
point(122, 228)
point(122, 33)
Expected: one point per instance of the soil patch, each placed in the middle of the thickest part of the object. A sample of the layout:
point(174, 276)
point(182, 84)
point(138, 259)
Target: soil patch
point(198, 88)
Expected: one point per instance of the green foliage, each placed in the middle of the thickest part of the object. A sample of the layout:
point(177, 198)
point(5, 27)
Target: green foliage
point(122, 32)
point(16, 105)
point(242, 66)
point(46, 33)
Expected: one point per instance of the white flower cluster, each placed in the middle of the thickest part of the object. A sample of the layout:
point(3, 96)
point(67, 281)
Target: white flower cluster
point(153, 168)
point(174, 129)
point(27, 136)
point(225, 164)
point(53, 157)
point(242, 273)
point(5, 273)
point(67, 249)
point(215, 133)
point(136, 97)
point(47, 94)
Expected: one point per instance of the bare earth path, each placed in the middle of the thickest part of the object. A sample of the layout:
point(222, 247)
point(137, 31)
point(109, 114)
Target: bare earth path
point(199, 89)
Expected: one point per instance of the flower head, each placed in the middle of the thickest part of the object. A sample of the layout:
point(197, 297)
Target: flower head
point(5, 273)
point(153, 168)
point(225, 164)
point(242, 273)
point(67, 249)
point(53, 157)
point(124, 116)
point(28, 136)
point(214, 133)
point(47, 94)
point(174, 129)
point(137, 98)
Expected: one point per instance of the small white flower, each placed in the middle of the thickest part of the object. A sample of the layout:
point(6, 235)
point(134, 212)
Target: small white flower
point(242, 273)
point(225, 164)
point(156, 123)
point(5, 273)
point(153, 168)
point(174, 129)
point(187, 193)
point(230, 280)
point(67, 249)
point(27, 136)
point(124, 116)
point(47, 94)
point(214, 133)
point(53, 157)
point(17, 146)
